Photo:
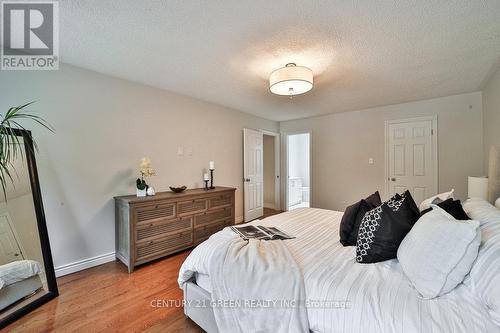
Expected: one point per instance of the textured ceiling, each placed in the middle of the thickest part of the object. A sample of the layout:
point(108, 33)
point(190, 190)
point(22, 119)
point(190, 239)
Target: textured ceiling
point(363, 53)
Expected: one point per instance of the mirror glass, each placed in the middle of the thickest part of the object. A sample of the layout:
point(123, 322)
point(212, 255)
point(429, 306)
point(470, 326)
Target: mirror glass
point(22, 271)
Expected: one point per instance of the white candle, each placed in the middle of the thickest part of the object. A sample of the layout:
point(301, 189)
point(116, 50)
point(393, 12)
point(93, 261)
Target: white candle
point(205, 176)
point(211, 165)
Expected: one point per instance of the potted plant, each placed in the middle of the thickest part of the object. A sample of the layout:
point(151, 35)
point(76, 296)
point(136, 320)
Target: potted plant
point(146, 170)
point(10, 144)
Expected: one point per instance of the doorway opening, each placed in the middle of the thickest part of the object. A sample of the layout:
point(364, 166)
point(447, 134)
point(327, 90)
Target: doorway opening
point(298, 171)
point(271, 173)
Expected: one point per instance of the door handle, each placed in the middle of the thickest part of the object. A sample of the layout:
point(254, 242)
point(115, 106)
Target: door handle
point(246, 180)
point(393, 179)
point(16, 254)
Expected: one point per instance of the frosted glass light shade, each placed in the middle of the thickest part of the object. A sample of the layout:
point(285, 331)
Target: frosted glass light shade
point(478, 187)
point(291, 80)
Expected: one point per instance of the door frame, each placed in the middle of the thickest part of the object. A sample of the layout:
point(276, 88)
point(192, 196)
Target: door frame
point(435, 147)
point(285, 149)
point(14, 233)
point(277, 167)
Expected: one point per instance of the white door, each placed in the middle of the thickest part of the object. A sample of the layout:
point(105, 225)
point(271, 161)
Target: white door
point(412, 158)
point(253, 173)
point(9, 248)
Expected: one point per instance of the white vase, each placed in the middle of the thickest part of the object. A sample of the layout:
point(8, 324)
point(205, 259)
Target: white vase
point(141, 193)
point(151, 191)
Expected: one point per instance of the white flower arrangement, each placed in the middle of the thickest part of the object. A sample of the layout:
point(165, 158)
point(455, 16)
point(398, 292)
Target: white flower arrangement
point(146, 170)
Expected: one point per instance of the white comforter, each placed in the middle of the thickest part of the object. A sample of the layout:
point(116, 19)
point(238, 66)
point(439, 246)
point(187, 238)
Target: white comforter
point(345, 296)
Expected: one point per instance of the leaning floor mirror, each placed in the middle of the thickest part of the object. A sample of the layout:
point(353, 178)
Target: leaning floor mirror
point(27, 278)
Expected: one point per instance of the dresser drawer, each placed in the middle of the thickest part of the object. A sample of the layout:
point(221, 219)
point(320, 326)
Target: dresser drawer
point(145, 214)
point(213, 216)
point(191, 206)
point(223, 200)
point(159, 229)
point(164, 246)
point(202, 233)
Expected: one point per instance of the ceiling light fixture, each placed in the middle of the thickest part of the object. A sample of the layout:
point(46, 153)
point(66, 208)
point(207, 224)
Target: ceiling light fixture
point(291, 80)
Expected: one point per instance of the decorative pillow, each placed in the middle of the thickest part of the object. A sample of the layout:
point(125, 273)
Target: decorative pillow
point(452, 207)
point(439, 252)
point(351, 219)
point(383, 228)
point(484, 277)
point(411, 203)
point(426, 204)
point(482, 211)
point(374, 199)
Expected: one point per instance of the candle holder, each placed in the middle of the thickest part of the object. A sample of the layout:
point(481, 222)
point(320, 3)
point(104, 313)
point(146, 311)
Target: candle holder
point(212, 179)
point(206, 185)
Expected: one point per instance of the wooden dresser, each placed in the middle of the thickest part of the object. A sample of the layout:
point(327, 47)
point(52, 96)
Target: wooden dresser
point(152, 227)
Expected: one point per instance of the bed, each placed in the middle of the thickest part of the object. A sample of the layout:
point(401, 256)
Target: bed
point(18, 279)
point(370, 297)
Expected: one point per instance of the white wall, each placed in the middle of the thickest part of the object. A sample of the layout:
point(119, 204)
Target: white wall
point(342, 143)
point(269, 170)
point(491, 115)
point(104, 126)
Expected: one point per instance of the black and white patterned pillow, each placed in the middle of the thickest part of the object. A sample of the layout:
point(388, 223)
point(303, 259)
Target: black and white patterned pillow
point(383, 228)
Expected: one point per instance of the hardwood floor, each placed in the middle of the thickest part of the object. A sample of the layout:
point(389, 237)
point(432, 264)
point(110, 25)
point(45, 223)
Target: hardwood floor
point(107, 299)
point(270, 212)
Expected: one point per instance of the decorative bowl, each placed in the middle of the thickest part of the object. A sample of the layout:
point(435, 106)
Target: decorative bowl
point(177, 189)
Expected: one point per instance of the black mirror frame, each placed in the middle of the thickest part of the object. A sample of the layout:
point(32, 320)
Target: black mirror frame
point(52, 291)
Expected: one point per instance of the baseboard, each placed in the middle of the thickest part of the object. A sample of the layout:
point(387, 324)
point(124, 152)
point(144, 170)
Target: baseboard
point(269, 205)
point(239, 220)
point(84, 264)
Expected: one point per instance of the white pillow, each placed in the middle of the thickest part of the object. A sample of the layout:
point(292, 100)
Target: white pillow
point(482, 211)
point(438, 252)
point(441, 196)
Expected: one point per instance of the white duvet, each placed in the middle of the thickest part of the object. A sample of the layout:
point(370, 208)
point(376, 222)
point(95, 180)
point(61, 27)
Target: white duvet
point(345, 296)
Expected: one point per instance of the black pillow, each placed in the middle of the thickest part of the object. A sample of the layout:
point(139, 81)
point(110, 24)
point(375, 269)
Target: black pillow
point(383, 229)
point(374, 200)
point(452, 207)
point(352, 218)
point(411, 203)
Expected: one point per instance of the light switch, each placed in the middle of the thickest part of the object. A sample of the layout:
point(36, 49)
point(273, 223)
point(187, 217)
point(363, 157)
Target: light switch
point(180, 151)
point(370, 160)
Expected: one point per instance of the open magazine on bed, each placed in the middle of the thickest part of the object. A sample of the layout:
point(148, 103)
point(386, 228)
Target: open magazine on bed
point(260, 232)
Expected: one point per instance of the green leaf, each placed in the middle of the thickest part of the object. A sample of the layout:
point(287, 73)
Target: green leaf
point(10, 144)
